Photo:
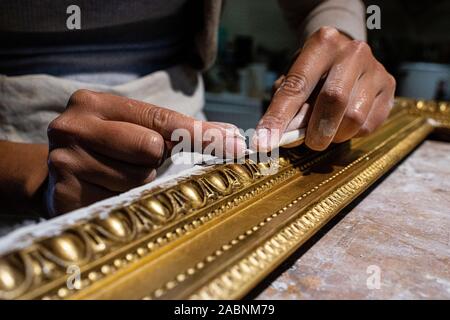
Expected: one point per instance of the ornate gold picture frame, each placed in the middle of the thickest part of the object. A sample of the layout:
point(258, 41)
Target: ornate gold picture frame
point(216, 233)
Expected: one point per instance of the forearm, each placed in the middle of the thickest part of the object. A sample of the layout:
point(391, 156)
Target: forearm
point(23, 170)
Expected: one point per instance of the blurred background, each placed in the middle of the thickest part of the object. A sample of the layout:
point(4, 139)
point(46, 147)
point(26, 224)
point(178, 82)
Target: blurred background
point(256, 46)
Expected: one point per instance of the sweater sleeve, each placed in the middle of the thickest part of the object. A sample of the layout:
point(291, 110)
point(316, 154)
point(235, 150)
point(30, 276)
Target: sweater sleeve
point(307, 16)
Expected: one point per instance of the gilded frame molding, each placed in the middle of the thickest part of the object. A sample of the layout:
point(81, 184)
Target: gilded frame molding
point(217, 234)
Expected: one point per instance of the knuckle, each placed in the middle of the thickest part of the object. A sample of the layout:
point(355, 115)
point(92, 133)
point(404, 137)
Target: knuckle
point(355, 117)
point(334, 95)
point(156, 117)
point(294, 84)
point(360, 47)
point(58, 125)
point(64, 126)
point(379, 67)
point(392, 83)
point(82, 96)
point(58, 159)
point(327, 34)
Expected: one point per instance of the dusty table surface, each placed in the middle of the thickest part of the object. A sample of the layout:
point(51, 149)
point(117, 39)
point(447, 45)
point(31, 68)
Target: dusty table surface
point(394, 244)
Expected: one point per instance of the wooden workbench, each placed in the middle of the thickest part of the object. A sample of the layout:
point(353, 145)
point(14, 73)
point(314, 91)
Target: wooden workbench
point(401, 228)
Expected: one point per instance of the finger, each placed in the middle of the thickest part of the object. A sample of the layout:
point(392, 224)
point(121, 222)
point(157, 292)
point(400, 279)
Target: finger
point(332, 101)
point(379, 112)
point(110, 174)
point(71, 193)
point(313, 62)
point(277, 84)
point(123, 141)
point(168, 122)
point(358, 107)
point(301, 118)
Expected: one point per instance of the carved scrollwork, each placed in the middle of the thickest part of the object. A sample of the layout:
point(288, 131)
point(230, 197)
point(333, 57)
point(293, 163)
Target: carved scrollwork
point(15, 271)
point(103, 245)
point(49, 258)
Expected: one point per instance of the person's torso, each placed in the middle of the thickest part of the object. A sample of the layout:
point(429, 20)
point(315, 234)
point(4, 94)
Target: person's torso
point(116, 38)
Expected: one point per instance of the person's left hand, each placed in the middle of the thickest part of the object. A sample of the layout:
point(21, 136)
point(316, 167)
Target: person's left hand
point(355, 98)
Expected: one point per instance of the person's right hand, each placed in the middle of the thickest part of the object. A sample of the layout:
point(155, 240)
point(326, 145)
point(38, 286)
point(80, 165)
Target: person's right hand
point(102, 145)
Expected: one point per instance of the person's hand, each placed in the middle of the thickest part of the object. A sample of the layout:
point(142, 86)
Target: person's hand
point(104, 144)
point(355, 93)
